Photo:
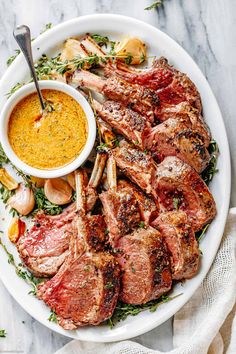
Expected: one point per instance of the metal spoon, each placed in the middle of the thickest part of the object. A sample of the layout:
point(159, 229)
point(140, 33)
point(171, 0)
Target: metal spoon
point(23, 38)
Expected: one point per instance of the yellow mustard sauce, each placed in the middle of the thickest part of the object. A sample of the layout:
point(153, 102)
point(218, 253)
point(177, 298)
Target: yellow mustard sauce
point(53, 139)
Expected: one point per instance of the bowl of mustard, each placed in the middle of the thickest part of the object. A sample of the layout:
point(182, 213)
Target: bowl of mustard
point(51, 143)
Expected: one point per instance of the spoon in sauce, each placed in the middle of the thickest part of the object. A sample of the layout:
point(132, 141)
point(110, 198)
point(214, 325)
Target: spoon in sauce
point(23, 38)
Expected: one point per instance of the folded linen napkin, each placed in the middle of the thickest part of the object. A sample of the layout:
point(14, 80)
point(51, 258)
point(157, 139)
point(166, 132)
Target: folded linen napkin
point(205, 325)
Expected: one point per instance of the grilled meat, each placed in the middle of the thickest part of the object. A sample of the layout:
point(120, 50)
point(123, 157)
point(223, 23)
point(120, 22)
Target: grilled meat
point(45, 246)
point(181, 243)
point(173, 137)
point(183, 110)
point(125, 121)
point(140, 99)
point(172, 86)
point(86, 288)
point(140, 252)
point(171, 179)
point(120, 206)
point(144, 263)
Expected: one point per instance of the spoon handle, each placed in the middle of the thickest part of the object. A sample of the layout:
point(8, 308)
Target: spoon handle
point(23, 38)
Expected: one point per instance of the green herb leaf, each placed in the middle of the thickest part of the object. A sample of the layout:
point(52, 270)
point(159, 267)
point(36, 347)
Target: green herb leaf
point(199, 235)
point(176, 203)
point(101, 40)
point(47, 27)
point(122, 311)
point(142, 224)
point(21, 272)
point(13, 57)
point(128, 59)
point(3, 333)
point(109, 285)
point(155, 5)
point(208, 174)
point(53, 317)
point(42, 203)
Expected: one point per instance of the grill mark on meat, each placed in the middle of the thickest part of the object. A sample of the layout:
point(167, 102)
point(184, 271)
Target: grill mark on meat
point(163, 181)
point(141, 99)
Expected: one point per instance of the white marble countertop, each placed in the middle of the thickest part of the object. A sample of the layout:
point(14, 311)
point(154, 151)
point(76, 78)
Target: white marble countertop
point(206, 29)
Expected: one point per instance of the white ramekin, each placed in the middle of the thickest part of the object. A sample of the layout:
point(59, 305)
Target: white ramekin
point(17, 97)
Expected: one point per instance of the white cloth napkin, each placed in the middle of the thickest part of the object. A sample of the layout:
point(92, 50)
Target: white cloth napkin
point(206, 324)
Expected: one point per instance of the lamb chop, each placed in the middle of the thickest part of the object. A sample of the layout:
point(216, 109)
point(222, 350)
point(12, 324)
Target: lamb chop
point(141, 252)
point(181, 243)
point(171, 182)
point(86, 288)
point(174, 137)
point(44, 247)
point(141, 99)
point(172, 86)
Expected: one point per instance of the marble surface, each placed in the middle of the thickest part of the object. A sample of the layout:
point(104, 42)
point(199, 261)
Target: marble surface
point(206, 29)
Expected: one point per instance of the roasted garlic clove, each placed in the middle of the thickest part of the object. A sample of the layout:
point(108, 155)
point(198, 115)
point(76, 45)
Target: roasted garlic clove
point(23, 200)
point(38, 182)
point(58, 191)
point(71, 180)
point(7, 180)
point(133, 47)
point(16, 229)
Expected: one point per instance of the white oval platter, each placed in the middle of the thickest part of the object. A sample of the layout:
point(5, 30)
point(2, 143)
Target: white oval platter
point(158, 44)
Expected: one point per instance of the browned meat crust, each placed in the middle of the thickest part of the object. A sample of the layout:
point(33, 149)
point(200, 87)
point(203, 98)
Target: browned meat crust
point(144, 263)
point(181, 243)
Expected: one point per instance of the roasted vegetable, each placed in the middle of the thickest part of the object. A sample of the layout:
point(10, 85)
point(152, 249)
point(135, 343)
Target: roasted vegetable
point(23, 200)
point(16, 229)
point(133, 48)
point(7, 180)
point(58, 191)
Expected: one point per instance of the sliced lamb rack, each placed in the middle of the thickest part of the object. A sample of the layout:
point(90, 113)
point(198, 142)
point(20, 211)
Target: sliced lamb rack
point(120, 206)
point(142, 255)
point(141, 99)
point(171, 85)
point(181, 243)
point(86, 288)
point(144, 262)
point(167, 182)
point(174, 137)
point(44, 247)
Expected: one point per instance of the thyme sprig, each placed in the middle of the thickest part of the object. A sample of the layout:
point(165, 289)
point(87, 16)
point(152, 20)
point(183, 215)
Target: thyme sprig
point(208, 174)
point(3, 333)
point(122, 311)
point(53, 316)
point(42, 203)
point(21, 272)
point(155, 5)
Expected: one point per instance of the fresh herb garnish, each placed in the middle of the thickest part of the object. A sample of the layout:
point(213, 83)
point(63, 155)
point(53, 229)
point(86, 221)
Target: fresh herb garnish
point(142, 224)
point(13, 57)
point(101, 40)
point(155, 5)
point(42, 203)
point(53, 317)
point(14, 89)
point(47, 27)
point(208, 174)
point(128, 59)
point(109, 285)
point(21, 272)
point(2, 333)
point(176, 203)
point(122, 311)
point(199, 235)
